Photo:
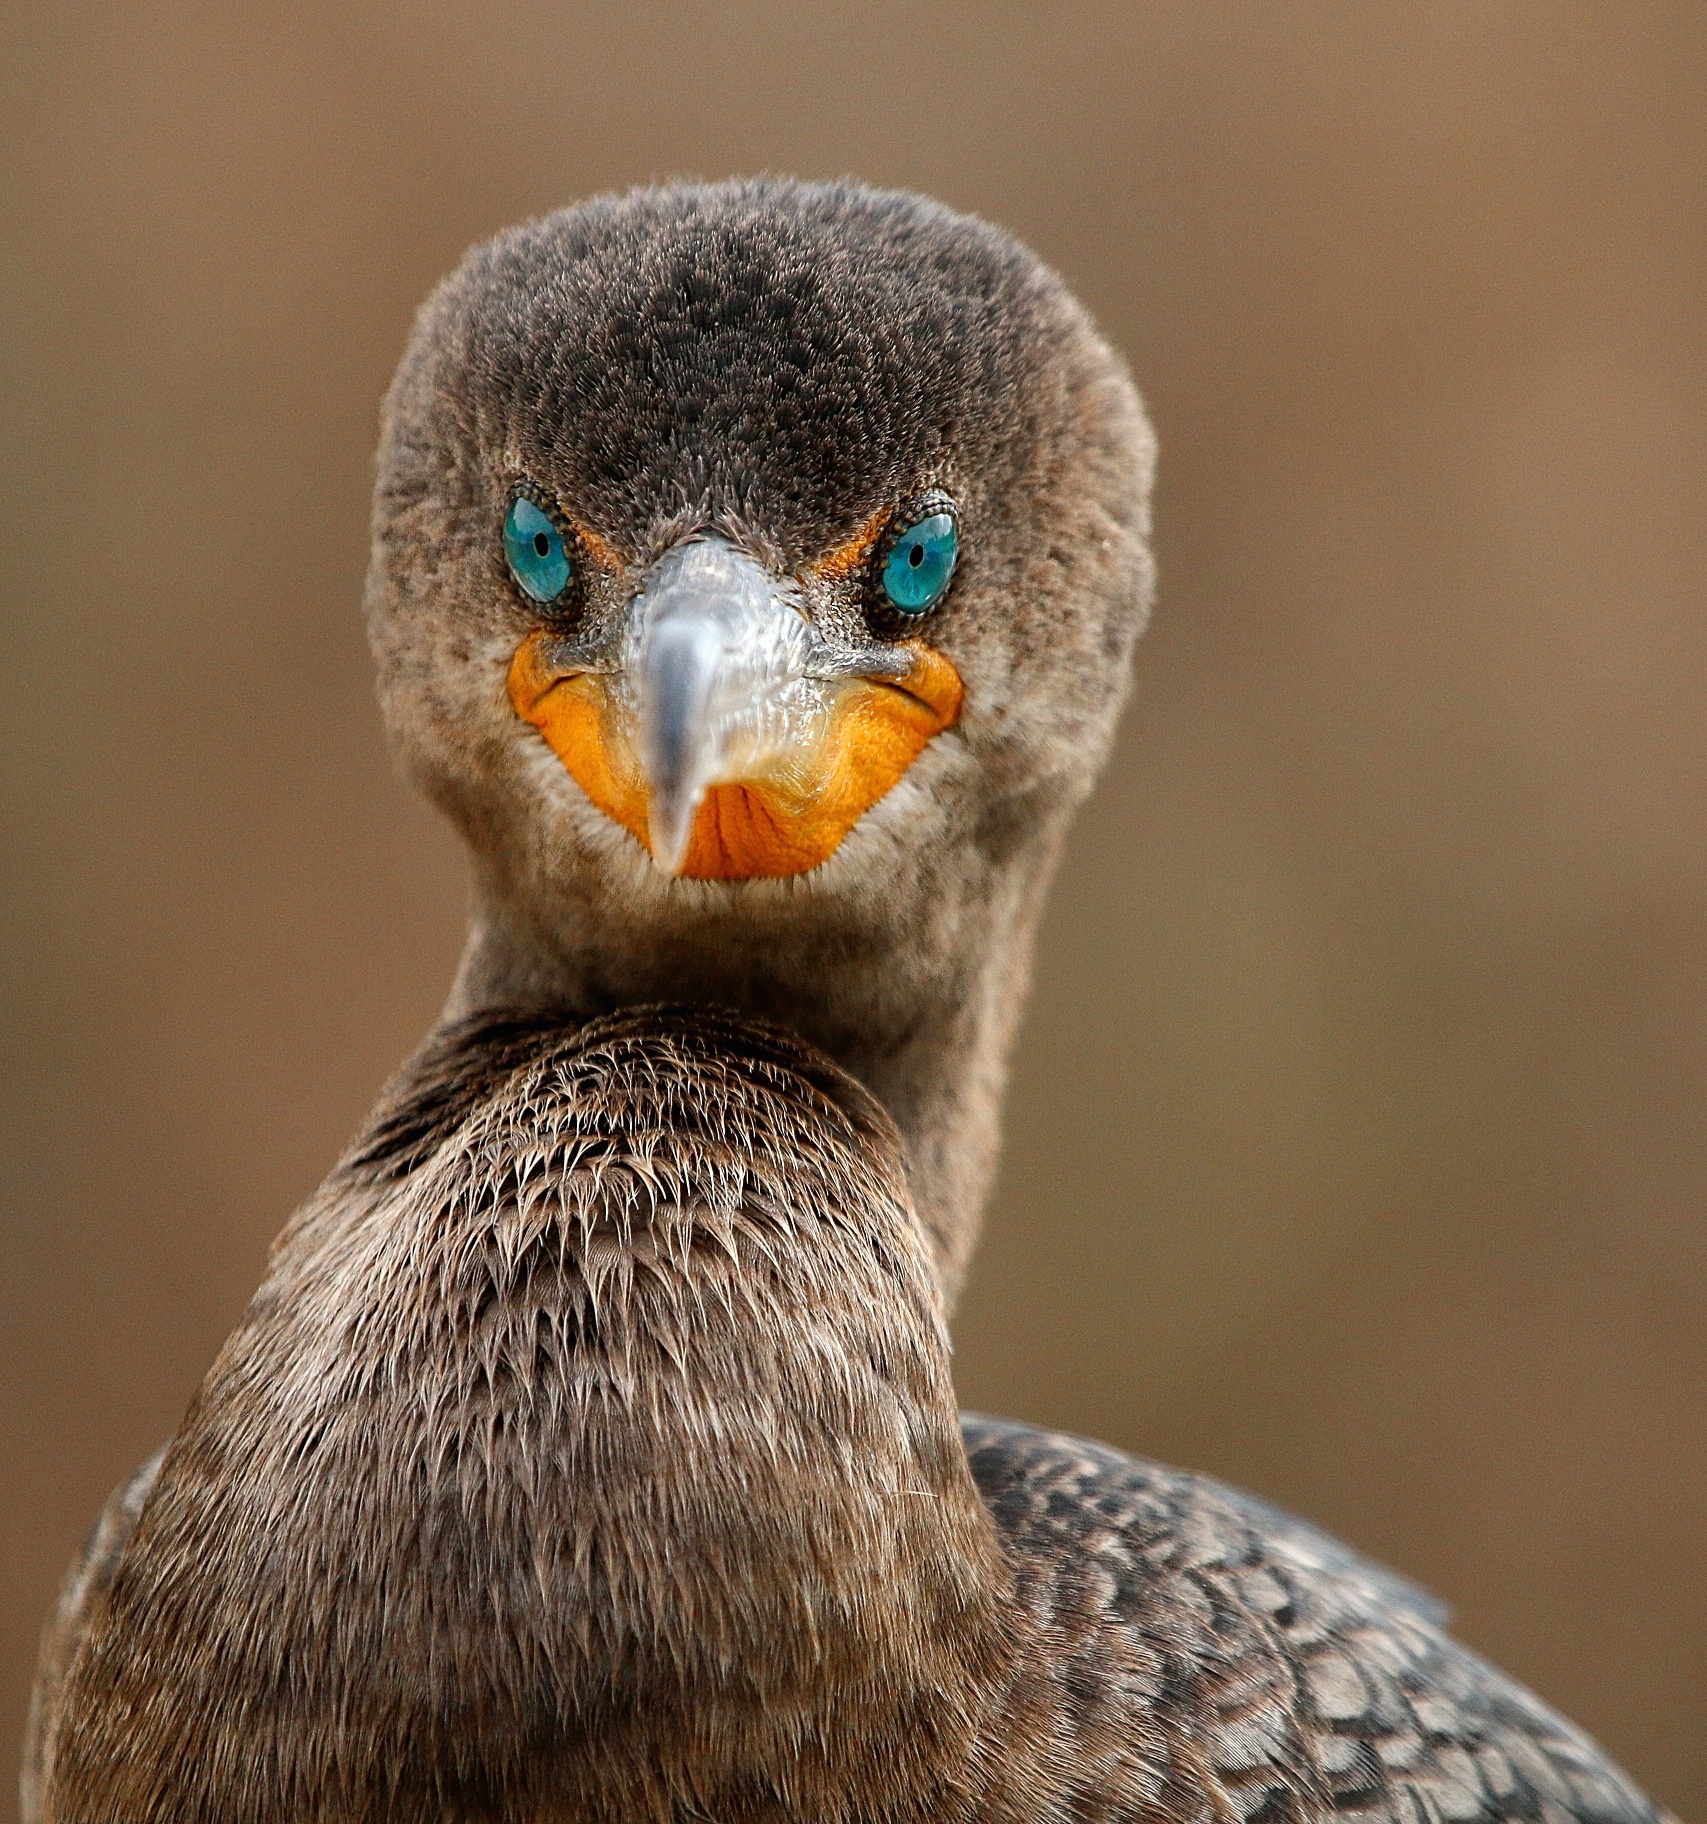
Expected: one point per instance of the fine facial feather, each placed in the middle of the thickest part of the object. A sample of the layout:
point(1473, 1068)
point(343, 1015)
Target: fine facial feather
point(779, 363)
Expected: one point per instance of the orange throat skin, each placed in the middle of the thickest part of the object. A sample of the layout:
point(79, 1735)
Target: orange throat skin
point(793, 813)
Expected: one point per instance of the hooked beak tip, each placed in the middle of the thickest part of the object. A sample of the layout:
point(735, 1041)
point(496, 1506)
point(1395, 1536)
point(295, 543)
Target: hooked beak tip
point(722, 730)
point(679, 668)
point(669, 828)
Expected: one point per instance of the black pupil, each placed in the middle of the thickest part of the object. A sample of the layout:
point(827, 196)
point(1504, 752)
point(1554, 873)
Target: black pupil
point(916, 556)
point(542, 543)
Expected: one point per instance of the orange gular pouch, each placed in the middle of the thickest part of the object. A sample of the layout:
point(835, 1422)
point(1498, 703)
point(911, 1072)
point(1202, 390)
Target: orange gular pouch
point(789, 806)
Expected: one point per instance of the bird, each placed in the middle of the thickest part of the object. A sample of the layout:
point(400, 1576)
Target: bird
point(755, 575)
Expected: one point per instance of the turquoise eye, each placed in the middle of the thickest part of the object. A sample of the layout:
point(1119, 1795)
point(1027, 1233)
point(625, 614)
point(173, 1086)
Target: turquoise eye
point(533, 547)
point(917, 571)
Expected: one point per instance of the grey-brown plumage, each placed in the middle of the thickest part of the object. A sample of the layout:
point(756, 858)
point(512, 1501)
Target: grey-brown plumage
point(590, 1451)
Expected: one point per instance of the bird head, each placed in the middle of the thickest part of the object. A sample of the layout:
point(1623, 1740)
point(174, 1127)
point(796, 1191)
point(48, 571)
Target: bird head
point(737, 544)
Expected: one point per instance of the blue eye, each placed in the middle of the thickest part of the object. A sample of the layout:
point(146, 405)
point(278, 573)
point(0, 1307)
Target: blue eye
point(533, 547)
point(917, 571)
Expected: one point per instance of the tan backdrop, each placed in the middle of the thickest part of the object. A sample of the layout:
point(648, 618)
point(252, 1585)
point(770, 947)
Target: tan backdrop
point(1355, 1149)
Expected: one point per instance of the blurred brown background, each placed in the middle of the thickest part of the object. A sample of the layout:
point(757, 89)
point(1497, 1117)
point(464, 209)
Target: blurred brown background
point(1355, 1141)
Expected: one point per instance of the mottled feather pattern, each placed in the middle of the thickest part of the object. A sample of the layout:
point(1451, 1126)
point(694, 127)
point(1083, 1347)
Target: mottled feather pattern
point(1298, 1681)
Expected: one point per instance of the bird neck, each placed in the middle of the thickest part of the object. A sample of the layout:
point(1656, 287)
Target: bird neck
point(913, 983)
point(607, 1384)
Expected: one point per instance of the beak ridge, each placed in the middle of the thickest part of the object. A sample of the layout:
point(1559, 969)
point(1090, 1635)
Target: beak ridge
point(717, 662)
point(677, 681)
point(721, 728)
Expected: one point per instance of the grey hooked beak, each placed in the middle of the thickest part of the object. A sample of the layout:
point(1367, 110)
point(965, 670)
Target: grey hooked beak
point(726, 679)
point(723, 728)
point(715, 656)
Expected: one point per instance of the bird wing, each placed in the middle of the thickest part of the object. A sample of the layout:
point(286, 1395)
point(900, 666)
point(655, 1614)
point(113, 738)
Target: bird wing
point(85, 1583)
point(1303, 1542)
point(1295, 1680)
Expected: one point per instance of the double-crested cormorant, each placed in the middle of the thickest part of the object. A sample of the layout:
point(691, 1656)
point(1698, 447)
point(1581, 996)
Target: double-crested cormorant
point(755, 573)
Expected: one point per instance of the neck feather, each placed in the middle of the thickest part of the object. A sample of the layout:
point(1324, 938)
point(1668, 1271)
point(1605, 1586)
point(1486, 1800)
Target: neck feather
point(608, 1381)
point(913, 982)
